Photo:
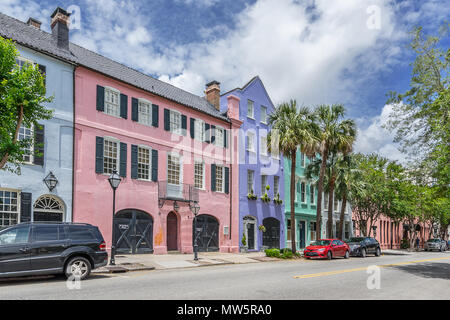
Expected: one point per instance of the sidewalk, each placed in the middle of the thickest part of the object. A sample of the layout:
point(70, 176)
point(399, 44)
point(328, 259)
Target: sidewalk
point(138, 262)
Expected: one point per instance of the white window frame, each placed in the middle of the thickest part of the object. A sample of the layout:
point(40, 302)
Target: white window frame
point(105, 108)
point(312, 193)
point(263, 120)
point(117, 142)
point(252, 181)
point(198, 161)
point(199, 125)
point(17, 204)
point(141, 115)
point(149, 162)
point(303, 192)
point(251, 142)
point(219, 142)
point(31, 149)
point(222, 169)
point(302, 159)
point(171, 128)
point(252, 104)
point(276, 186)
point(263, 149)
point(24, 61)
point(174, 154)
point(264, 184)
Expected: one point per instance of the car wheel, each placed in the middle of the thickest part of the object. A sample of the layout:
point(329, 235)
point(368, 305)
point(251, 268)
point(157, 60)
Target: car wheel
point(378, 252)
point(78, 267)
point(347, 254)
point(363, 253)
point(329, 255)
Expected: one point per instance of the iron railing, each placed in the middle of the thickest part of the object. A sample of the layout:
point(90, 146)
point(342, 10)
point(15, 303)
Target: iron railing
point(180, 192)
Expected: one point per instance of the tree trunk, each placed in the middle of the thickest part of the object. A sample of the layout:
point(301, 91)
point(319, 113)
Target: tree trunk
point(324, 156)
point(4, 160)
point(342, 217)
point(294, 157)
point(330, 208)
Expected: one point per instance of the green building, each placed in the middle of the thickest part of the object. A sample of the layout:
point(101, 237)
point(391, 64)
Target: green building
point(305, 203)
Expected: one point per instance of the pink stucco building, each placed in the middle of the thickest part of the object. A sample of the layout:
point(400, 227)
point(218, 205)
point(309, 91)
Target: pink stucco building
point(172, 149)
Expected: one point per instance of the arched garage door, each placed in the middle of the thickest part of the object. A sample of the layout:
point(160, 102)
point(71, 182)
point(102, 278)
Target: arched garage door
point(271, 238)
point(133, 232)
point(207, 233)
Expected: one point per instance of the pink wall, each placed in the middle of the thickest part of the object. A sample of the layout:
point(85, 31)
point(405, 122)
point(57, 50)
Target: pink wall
point(92, 192)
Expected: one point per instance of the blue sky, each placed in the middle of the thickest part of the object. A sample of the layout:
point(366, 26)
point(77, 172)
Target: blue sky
point(316, 51)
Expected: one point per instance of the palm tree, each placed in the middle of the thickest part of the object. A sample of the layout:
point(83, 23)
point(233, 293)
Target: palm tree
point(291, 128)
point(334, 134)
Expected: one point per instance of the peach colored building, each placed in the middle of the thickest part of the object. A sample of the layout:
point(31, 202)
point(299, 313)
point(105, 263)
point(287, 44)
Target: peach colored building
point(171, 148)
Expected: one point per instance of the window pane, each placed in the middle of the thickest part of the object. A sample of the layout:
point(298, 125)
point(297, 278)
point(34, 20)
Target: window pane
point(250, 109)
point(145, 113)
point(16, 235)
point(112, 102)
point(173, 170)
point(263, 184)
point(175, 122)
point(198, 175)
point(219, 179)
point(143, 163)
point(249, 181)
point(8, 208)
point(45, 233)
point(109, 156)
point(80, 233)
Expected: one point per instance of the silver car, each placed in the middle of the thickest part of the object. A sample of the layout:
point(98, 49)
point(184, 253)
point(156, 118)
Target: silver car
point(435, 244)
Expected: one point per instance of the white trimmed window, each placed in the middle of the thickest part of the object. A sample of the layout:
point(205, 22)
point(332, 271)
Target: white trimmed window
point(263, 184)
point(144, 163)
point(220, 181)
point(336, 204)
point(110, 155)
point(264, 114)
point(276, 185)
point(251, 142)
point(173, 169)
point(199, 128)
point(145, 112)
point(112, 101)
point(199, 169)
point(219, 132)
point(250, 109)
point(250, 176)
point(175, 122)
point(263, 146)
point(27, 133)
point(9, 207)
point(312, 195)
point(302, 160)
point(21, 62)
point(303, 191)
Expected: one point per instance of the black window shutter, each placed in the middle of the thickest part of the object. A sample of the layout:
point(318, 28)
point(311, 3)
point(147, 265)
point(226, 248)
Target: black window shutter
point(155, 115)
point(192, 128)
point(183, 124)
point(213, 133)
point(100, 98)
point(134, 109)
point(207, 140)
point(213, 177)
point(123, 160)
point(134, 162)
point(154, 165)
point(225, 138)
point(124, 106)
point(39, 144)
point(99, 155)
point(227, 180)
point(25, 207)
point(167, 119)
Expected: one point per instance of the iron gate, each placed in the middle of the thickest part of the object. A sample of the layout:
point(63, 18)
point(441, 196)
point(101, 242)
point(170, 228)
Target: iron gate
point(133, 232)
point(271, 238)
point(207, 233)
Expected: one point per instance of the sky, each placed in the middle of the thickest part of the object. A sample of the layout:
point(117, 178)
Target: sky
point(315, 51)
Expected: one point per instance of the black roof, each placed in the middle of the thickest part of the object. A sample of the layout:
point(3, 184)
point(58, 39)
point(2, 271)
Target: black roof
point(44, 42)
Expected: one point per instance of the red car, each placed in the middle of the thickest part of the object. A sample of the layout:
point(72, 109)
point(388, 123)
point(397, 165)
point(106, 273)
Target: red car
point(327, 248)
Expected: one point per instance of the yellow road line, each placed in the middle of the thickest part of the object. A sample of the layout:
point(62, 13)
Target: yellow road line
point(329, 273)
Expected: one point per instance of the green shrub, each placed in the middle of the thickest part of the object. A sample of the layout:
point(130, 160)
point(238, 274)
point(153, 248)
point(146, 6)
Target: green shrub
point(287, 255)
point(404, 244)
point(284, 250)
point(272, 253)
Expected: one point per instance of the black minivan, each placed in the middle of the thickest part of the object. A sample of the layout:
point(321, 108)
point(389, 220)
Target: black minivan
point(42, 248)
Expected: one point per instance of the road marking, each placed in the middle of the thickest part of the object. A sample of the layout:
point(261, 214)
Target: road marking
point(329, 273)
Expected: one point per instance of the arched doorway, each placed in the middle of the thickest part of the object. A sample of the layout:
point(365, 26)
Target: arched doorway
point(133, 231)
point(207, 233)
point(250, 231)
point(271, 238)
point(49, 208)
point(172, 232)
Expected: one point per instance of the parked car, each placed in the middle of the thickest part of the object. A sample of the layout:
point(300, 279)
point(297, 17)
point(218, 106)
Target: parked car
point(41, 248)
point(327, 248)
point(435, 244)
point(361, 246)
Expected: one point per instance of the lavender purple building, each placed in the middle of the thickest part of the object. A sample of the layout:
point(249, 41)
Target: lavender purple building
point(261, 178)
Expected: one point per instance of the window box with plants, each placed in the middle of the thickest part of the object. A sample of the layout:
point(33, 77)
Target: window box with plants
point(251, 195)
point(265, 198)
point(277, 200)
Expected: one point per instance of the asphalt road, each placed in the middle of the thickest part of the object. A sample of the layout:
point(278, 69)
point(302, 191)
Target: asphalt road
point(423, 275)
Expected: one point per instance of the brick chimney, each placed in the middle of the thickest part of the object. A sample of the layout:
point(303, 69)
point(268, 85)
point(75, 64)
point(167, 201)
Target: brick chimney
point(60, 27)
point(213, 93)
point(34, 23)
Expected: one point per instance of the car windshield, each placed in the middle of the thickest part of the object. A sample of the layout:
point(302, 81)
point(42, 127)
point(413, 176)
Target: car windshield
point(321, 243)
point(358, 239)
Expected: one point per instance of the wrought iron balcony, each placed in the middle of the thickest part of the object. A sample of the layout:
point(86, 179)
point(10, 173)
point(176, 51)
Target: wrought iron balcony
point(179, 192)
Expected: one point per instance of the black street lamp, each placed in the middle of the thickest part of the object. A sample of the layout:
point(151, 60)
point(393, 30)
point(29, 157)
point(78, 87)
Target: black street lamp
point(195, 208)
point(114, 180)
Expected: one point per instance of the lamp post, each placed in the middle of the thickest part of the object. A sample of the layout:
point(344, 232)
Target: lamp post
point(114, 180)
point(374, 228)
point(195, 209)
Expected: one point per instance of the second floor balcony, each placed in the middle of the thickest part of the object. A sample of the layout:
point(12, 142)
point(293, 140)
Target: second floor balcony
point(179, 192)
